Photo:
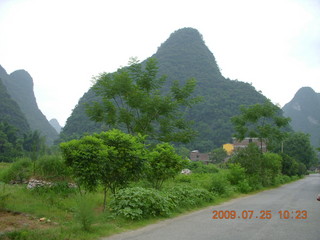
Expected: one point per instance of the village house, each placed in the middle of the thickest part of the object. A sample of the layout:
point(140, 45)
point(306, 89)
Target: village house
point(195, 155)
point(237, 145)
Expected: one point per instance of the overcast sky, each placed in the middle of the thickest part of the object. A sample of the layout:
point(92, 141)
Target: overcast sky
point(273, 44)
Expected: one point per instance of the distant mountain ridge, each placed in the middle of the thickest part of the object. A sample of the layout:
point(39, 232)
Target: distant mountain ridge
point(182, 56)
point(304, 111)
point(55, 124)
point(10, 111)
point(19, 85)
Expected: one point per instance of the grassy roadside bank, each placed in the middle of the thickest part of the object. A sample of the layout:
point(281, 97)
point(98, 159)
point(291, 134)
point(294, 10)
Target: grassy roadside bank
point(66, 212)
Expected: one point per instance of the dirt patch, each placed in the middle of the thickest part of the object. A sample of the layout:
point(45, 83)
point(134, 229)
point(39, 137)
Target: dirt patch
point(10, 221)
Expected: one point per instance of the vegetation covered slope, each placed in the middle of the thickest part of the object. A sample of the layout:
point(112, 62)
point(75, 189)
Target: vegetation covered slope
point(304, 111)
point(10, 111)
point(183, 56)
point(20, 87)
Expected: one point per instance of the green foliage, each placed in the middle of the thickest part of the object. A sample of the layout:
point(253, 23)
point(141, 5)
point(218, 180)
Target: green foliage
point(84, 213)
point(243, 186)
point(236, 173)
point(163, 163)
point(111, 158)
point(4, 196)
point(200, 167)
point(10, 146)
point(261, 169)
point(185, 196)
point(18, 171)
point(298, 146)
point(220, 185)
point(250, 158)
point(137, 203)
point(271, 168)
point(124, 161)
point(218, 155)
point(132, 99)
point(289, 165)
point(304, 119)
point(10, 111)
point(20, 87)
point(52, 168)
point(84, 157)
point(182, 56)
point(262, 121)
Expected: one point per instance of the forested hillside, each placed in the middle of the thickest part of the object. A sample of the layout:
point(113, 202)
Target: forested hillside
point(304, 111)
point(183, 56)
point(20, 87)
point(10, 111)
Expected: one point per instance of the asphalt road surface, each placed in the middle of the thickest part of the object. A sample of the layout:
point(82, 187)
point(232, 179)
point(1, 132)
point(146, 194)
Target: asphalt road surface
point(256, 217)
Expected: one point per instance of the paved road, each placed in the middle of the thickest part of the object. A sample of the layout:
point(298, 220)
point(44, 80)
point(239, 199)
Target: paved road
point(297, 196)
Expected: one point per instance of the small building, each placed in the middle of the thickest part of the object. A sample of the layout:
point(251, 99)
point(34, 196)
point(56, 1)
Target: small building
point(245, 142)
point(195, 155)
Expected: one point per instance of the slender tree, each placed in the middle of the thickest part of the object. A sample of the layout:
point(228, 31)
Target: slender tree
point(261, 121)
point(133, 99)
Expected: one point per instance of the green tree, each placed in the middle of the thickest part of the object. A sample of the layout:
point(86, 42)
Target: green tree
point(35, 145)
point(262, 121)
point(163, 163)
point(271, 168)
point(249, 158)
point(84, 157)
point(290, 166)
point(218, 155)
point(10, 144)
point(298, 146)
point(125, 159)
point(133, 99)
point(111, 158)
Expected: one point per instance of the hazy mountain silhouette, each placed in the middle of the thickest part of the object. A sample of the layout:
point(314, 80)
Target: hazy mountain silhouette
point(304, 111)
point(55, 124)
point(10, 111)
point(20, 87)
point(182, 56)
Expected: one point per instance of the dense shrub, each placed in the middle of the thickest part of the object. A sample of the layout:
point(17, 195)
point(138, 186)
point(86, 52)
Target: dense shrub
point(163, 163)
point(138, 202)
point(18, 171)
point(255, 181)
point(271, 168)
point(220, 185)
point(187, 196)
point(52, 168)
point(236, 173)
point(199, 167)
point(243, 186)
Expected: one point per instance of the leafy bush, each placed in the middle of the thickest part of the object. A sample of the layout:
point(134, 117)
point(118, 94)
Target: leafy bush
point(18, 171)
point(255, 182)
point(271, 168)
point(243, 186)
point(199, 167)
point(220, 185)
point(52, 168)
point(137, 203)
point(236, 173)
point(163, 163)
point(187, 196)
